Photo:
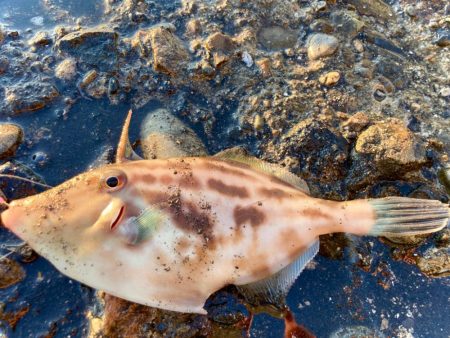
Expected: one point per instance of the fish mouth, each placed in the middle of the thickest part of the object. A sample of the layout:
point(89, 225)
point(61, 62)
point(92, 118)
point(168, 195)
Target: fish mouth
point(118, 218)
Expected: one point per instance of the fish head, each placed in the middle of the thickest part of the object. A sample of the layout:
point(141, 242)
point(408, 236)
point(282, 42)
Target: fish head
point(80, 221)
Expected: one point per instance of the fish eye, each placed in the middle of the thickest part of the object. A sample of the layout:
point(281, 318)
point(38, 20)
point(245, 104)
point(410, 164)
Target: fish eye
point(113, 180)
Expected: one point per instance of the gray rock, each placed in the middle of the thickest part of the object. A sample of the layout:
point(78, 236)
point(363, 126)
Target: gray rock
point(11, 136)
point(346, 24)
point(164, 136)
point(29, 96)
point(4, 64)
point(276, 38)
point(93, 47)
point(320, 45)
point(376, 8)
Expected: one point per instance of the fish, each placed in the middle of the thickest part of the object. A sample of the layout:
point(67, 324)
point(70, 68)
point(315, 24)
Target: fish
point(168, 233)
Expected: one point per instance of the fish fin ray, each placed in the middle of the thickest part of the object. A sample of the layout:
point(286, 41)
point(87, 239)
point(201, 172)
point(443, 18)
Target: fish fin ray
point(124, 150)
point(239, 154)
point(402, 216)
point(274, 289)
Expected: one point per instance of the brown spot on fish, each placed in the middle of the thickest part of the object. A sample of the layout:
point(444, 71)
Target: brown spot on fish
point(189, 181)
point(250, 214)
point(166, 179)
point(227, 189)
point(274, 193)
point(225, 168)
point(148, 178)
point(315, 214)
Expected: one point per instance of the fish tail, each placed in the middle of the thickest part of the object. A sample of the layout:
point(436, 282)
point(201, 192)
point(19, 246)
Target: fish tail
point(402, 216)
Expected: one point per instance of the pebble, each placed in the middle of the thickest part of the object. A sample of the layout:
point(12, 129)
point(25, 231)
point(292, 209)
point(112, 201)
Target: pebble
point(10, 273)
point(264, 67)
point(445, 92)
point(277, 38)
point(66, 70)
point(320, 45)
point(11, 136)
point(330, 79)
point(247, 59)
point(37, 21)
point(41, 39)
point(88, 78)
point(2, 36)
point(358, 45)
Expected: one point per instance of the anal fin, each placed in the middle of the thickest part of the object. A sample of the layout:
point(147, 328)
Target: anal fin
point(274, 289)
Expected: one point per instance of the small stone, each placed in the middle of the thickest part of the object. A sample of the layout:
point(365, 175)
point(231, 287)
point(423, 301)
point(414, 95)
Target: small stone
point(219, 42)
point(354, 125)
point(358, 45)
point(346, 23)
point(376, 8)
point(258, 122)
point(10, 273)
point(2, 36)
point(4, 64)
point(320, 45)
point(330, 78)
point(411, 10)
point(169, 53)
point(445, 92)
point(37, 21)
point(435, 262)
point(247, 59)
point(392, 146)
point(41, 39)
point(11, 136)
point(66, 70)
point(193, 27)
point(30, 96)
point(277, 38)
point(264, 66)
point(443, 40)
point(88, 78)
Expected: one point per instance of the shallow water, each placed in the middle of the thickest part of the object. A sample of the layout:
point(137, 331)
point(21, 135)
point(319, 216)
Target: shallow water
point(334, 294)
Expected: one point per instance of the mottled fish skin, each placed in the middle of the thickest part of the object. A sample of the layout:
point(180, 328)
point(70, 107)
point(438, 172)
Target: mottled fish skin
point(219, 223)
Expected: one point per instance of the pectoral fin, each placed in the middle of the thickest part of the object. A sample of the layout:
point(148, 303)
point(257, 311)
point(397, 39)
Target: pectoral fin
point(139, 228)
point(273, 290)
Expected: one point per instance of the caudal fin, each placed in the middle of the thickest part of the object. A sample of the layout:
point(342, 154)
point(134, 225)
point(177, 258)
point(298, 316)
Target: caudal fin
point(402, 216)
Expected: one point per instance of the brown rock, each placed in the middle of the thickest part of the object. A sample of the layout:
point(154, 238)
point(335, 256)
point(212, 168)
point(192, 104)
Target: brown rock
point(193, 27)
point(221, 46)
point(264, 67)
point(11, 136)
point(2, 36)
point(66, 70)
point(169, 53)
point(435, 262)
point(30, 96)
point(41, 39)
point(354, 125)
point(330, 79)
point(10, 273)
point(392, 146)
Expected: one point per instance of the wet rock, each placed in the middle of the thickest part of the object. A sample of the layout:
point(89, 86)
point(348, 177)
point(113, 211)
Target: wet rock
point(193, 27)
point(354, 125)
point(320, 45)
point(170, 56)
point(164, 136)
point(14, 188)
point(264, 67)
point(10, 273)
point(88, 78)
point(356, 331)
point(392, 147)
point(330, 79)
point(435, 262)
point(277, 38)
point(376, 8)
point(11, 136)
point(2, 36)
point(29, 96)
point(4, 64)
point(94, 47)
point(41, 39)
point(346, 23)
point(321, 151)
point(443, 39)
point(66, 70)
point(221, 46)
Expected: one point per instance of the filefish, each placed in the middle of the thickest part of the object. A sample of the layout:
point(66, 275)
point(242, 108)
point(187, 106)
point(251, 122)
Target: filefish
point(168, 233)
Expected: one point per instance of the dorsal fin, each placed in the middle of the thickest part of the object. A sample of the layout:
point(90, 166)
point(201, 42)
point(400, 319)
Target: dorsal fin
point(124, 151)
point(274, 289)
point(239, 154)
